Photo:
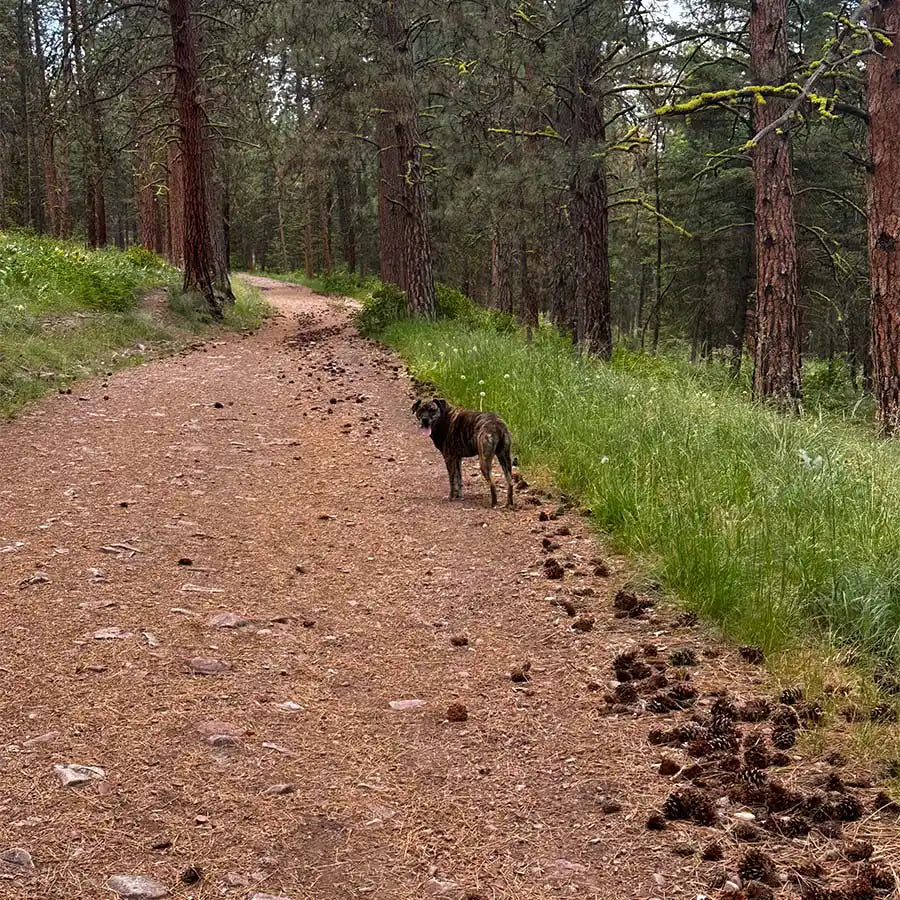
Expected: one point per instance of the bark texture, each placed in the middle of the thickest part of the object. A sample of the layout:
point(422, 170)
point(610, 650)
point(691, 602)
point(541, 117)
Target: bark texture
point(590, 213)
point(776, 365)
point(402, 202)
point(884, 218)
point(202, 269)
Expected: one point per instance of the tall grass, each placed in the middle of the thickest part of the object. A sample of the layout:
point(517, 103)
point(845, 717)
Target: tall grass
point(782, 529)
point(67, 312)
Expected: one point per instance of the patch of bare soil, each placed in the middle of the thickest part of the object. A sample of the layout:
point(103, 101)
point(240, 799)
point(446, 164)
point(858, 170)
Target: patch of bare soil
point(277, 661)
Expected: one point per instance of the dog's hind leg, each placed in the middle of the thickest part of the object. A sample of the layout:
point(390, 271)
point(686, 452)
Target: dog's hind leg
point(487, 457)
point(506, 464)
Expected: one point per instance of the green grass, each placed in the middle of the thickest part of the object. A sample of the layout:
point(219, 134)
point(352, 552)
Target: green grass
point(67, 313)
point(339, 283)
point(783, 530)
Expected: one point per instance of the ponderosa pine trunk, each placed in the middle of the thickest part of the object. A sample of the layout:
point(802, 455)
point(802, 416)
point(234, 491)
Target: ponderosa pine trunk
point(94, 156)
point(199, 262)
point(884, 217)
point(346, 213)
point(590, 213)
point(402, 202)
point(776, 365)
point(215, 212)
point(325, 223)
point(146, 179)
point(390, 190)
point(175, 204)
point(501, 272)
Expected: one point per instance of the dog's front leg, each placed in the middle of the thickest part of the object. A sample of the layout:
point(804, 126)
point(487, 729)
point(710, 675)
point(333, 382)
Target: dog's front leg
point(454, 471)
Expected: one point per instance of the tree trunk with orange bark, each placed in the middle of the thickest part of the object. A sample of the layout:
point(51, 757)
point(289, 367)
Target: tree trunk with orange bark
point(883, 91)
point(776, 365)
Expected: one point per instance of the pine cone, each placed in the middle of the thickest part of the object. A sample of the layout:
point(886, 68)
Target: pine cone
point(858, 889)
point(683, 656)
point(626, 693)
point(657, 736)
point(724, 708)
point(712, 852)
point(847, 809)
point(690, 804)
point(883, 802)
point(730, 763)
point(785, 717)
point(812, 890)
point(789, 826)
point(883, 713)
point(810, 713)
point(784, 738)
point(724, 743)
point(816, 806)
point(660, 704)
point(752, 654)
point(754, 710)
point(781, 799)
point(857, 851)
point(687, 619)
point(753, 778)
point(656, 822)
point(880, 877)
point(699, 747)
point(835, 784)
point(791, 696)
point(747, 833)
point(640, 670)
point(682, 696)
point(887, 680)
point(756, 758)
point(780, 759)
point(756, 866)
point(690, 731)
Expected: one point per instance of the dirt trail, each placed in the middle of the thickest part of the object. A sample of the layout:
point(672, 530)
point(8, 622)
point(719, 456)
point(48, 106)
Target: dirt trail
point(287, 469)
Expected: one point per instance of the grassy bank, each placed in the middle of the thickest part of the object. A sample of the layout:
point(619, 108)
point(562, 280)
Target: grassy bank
point(780, 529)
point(67, 313)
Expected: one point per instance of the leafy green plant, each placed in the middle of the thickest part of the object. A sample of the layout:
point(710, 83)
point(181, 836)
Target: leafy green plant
point(383, 307)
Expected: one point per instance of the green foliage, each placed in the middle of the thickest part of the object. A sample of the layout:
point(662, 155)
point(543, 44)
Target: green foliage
point(67, 313)
point(249, 310)
point(339, 283)
point(386, 304)
point(380, 309)
point(145, 259)
point(783, 530)
point(52, 277)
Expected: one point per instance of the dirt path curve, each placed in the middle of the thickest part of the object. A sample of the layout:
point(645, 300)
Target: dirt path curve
point(287, 469)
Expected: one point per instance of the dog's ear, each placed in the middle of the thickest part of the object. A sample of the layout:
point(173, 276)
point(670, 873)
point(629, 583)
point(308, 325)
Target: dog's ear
point(416, 405)
point(442, 405)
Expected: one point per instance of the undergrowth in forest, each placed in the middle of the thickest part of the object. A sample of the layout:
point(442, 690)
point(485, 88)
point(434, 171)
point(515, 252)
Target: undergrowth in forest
point(67, 313)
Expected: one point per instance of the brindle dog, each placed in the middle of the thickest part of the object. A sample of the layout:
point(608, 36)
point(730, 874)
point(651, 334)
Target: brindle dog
point(458, 433)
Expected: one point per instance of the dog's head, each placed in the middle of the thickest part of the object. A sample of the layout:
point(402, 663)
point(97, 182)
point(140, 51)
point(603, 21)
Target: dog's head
point(430, 412)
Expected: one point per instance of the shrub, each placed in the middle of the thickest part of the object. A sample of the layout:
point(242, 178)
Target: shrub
point(382, 308)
